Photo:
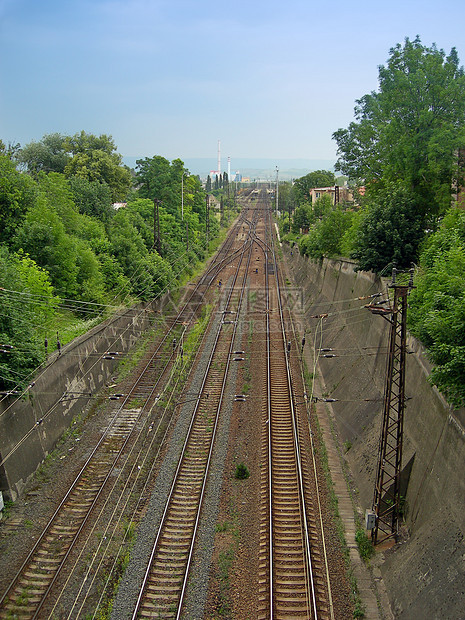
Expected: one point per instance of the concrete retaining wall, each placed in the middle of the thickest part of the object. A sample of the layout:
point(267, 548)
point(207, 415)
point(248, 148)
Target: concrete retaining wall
point(31, 426)
point(425, 575)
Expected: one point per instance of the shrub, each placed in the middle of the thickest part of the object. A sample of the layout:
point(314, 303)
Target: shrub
point(242, 472)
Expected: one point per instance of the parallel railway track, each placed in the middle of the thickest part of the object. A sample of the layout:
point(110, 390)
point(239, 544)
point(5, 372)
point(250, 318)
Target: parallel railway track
point(293, 571)
point(164, 583)
point(31, 588)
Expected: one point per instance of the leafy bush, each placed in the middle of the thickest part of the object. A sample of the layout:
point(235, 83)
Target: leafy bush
point(437, 305)
point(364, 544)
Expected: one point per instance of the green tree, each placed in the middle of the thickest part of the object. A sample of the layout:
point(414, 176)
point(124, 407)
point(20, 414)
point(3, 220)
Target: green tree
point(318, 178)
point(411, 129)
point(11, 151)
point(94, 158)
point(48, 155)
point(43, 236)
point(208, 185)
point(161, 180)
point(286, 197)
point(92, 198)
point(390, 231)
point(17, 195)
point(301, 218)
point(28, 307)
point(322, 206)
point(437, 305)
point(325, 236)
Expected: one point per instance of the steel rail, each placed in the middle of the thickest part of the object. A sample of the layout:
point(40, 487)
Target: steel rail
point(310, 580)
point(180, 462)
point(215, 266)
point(270, 259)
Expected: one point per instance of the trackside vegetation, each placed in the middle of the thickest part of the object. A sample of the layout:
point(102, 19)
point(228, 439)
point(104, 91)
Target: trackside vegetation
point(403, 164)
point(79, 239)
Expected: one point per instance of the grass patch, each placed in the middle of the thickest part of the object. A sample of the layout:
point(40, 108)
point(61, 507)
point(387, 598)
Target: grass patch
point(242, 472)
point(347, 446)
point(7, 506)
point(364, 544)
point(223, 527)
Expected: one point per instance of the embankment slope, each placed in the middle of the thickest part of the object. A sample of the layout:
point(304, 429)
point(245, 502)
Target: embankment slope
point(425, 572)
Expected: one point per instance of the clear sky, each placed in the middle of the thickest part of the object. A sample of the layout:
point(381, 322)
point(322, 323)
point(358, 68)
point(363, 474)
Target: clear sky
point(172, 77)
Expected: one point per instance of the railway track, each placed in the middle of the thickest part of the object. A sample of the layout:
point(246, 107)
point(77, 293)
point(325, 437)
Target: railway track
point(293, 577)
point(165, 579)
point(31, 588)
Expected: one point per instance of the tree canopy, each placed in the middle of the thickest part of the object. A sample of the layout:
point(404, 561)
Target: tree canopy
point(85, 156)
point(65, 249)
point(411, 129)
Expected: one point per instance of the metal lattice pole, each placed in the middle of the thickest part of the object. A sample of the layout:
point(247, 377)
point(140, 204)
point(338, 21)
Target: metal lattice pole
point(387, 499)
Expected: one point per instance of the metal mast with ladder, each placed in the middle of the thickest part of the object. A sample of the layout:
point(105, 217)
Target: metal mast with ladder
point(387, 498)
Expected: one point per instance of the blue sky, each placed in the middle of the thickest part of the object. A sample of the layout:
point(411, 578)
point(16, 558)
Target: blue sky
point(171, 77)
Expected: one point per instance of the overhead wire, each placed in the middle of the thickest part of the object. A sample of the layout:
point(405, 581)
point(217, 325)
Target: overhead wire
point(52, 408)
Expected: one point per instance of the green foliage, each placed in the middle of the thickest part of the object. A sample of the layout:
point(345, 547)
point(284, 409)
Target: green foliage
point(95, 159)
point(301, 218)
point(28, 307)
point(161, 180)
point(242, 472)
point(303, 185)
point(44, 236)
point(17, 195)
point(364, 544)
point(284, 225)
point(437, 305)
point(350, 236)
point(411, 129)
point(286, 197)
point(322, 207)
point(48, 155)
point(70, 241)
point(325, 236)
point(390, 231)
point(92, 198)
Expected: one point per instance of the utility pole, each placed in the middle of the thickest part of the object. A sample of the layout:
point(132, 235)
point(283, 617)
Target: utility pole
point(386, 499)
point(156, 225)
point(277, 191)
point(207, 219)
point(182, 196)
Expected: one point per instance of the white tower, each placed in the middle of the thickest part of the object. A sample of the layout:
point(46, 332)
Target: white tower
point(229, 168)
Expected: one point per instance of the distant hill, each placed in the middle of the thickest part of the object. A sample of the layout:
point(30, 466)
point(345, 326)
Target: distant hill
point(254, 168)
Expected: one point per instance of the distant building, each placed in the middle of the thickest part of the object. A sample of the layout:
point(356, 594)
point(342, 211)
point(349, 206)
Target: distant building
point(119, 205)
point(338, 194)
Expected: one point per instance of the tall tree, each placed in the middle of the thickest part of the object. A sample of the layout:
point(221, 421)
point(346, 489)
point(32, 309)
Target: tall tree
point(411, 129)
point(48, 155)
point(95, 158)
point(17, 195)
